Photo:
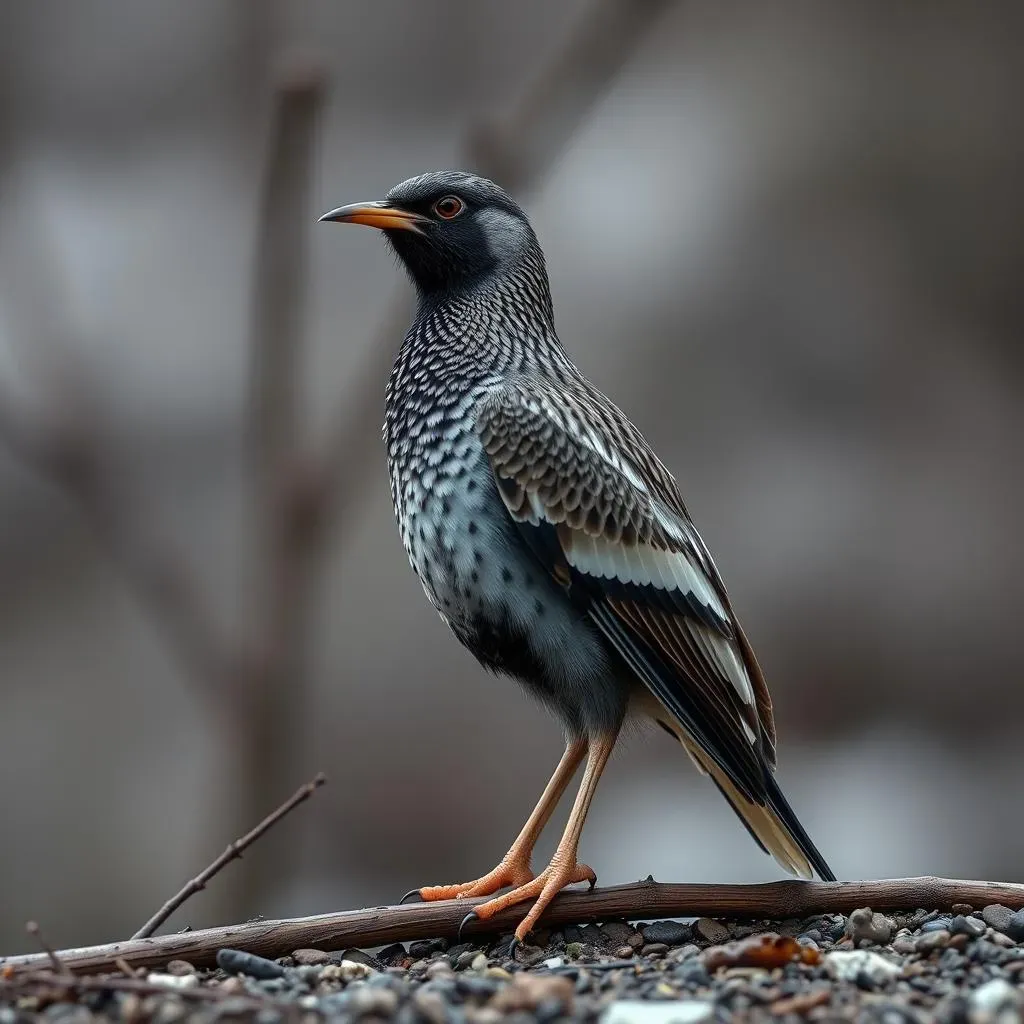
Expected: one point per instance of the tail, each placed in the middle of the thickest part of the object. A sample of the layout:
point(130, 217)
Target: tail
point(774, 825)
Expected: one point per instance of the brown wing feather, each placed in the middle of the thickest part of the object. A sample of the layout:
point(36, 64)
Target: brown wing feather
point(572, 461)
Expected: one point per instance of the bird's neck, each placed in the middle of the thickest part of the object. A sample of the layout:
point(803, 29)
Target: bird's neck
point(502, 324)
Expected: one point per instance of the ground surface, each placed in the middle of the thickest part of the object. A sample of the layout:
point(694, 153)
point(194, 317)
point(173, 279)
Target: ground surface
point(965, 968)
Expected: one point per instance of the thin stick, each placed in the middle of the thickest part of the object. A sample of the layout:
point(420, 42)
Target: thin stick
point(32, 927)
point(233, 851)
point(638, 901)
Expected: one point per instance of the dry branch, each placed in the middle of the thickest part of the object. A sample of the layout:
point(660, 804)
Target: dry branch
point(234, 850)
point(638, 901)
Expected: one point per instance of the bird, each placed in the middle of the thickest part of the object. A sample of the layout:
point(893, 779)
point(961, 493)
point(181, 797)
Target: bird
point(551, 538)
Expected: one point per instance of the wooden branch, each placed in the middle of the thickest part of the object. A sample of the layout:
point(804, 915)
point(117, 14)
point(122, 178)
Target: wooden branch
point(638, 901)
point(233, 851)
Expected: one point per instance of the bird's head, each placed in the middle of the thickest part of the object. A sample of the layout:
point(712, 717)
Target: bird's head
point(452, 230)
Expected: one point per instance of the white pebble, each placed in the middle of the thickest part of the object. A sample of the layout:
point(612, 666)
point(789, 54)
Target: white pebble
point(636, 1011)
point(995, 1002)
point(845, 965)
point(173, 980)
point(554, 961)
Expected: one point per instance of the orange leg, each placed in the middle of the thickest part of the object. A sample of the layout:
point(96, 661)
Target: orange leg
point(514, 868)
point(564, 868)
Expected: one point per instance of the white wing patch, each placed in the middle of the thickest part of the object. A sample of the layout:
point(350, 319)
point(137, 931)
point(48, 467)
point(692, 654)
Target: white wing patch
point(641, 565)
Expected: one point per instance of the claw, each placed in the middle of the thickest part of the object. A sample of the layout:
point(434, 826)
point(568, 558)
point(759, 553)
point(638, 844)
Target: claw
point(471, 916)
point(512, 947)
point(411, 892)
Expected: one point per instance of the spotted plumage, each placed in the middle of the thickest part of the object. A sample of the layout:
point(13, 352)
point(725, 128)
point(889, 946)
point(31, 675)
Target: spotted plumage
point(541, 524)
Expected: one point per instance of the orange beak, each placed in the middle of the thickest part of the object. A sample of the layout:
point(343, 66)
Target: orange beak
point(377, 215)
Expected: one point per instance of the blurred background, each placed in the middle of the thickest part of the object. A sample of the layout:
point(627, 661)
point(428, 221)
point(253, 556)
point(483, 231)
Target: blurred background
point(787, 238)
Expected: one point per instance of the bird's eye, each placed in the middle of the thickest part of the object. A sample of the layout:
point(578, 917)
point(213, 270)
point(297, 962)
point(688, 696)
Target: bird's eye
point(448, 207)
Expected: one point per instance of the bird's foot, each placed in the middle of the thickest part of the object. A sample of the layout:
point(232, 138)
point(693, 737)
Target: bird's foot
point(542, 890)
point(514, 871)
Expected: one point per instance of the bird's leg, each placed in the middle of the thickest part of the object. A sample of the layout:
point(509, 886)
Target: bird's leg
point(564, 869)
point(514, 868)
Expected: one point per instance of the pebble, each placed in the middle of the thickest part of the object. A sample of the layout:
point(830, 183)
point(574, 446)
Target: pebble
point(479, 962)
point(995, 1002)
point(865, 925)
point(175, 980)
point(310, 957)
point(180, 967)
point(423, 949)
point(671, 933)
point(235, 961)
point(431, 1005)
point(634, 1011)
point(937, 924)
point(927, 941)
point(1015, 926)
point(996, 916)
point(971, 926)
point(653, 949)
point(439, 969)
point(852, 965)
point(391, 954)
point(527, 991)
point(623, 952)
point(618, 933)
point(710, 931)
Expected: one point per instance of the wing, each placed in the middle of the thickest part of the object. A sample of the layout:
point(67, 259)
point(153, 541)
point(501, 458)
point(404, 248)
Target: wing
point(605, 518)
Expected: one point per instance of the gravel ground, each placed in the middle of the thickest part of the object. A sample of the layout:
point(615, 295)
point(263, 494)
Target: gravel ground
point(964, 968)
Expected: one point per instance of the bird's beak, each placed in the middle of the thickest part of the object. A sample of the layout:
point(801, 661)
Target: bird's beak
point(377, 215)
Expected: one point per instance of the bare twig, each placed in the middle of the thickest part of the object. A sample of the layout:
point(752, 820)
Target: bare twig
point(515, 150)
point(639, 901)
point(233, 851)
point(32, 927)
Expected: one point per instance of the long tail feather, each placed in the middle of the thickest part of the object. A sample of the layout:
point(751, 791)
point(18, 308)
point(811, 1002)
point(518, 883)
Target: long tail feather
point(774, 825)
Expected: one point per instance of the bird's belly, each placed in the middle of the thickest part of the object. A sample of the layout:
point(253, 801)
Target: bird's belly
point(499, 601)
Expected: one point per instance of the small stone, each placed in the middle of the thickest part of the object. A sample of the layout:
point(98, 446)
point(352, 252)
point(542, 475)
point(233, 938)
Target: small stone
point(592, 935)
point(454, 952)
point(180, 967)
point(527, 991)
point(423, 949)
point(173, 980)
point(636, 940)
point(380, 1002)
point(995, 915)
point(1015, 926)
point(431, 1005)
point(654, 949)
point(391, 954)
point(681, 953)
point(498, 974)
point(693, 974)
point(852, 965)
point(865, 925)
point(618, 933)
point(360, 956)
point(962, 908)
point(971, 926)
point(479, 962)
point(439, 969)
point(466, 960)
point(995, 1002)
point(235, 961)
point(928, 941)
point(671, 933)
point(937, 924)
point(636, 1011)
point(310, 957)
point(623, 952)
point(573, 949)
point(710, 931)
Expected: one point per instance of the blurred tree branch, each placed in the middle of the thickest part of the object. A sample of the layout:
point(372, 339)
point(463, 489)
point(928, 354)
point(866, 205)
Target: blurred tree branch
point(637, 901)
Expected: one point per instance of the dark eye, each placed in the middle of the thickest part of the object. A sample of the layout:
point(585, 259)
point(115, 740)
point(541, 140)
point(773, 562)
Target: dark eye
point(448, 207)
